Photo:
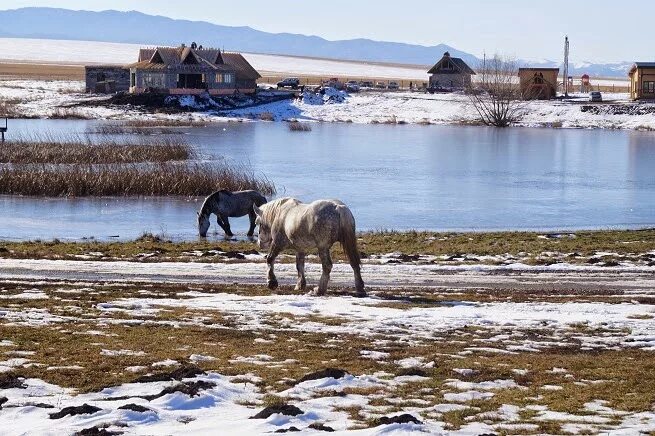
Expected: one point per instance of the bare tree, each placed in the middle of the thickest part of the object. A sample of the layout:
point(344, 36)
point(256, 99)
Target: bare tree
point(495, 94)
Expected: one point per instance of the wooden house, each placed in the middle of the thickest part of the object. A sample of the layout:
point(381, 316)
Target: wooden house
point(191, 70)
point(538, 83)
point(642, 81)
point(450, 73)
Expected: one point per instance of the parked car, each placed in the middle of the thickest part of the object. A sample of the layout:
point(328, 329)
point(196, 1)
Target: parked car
point(289, 82)
point(381, 85)
point(393, 86)
point(352, 86)
point(366, 84)
point(595, 96)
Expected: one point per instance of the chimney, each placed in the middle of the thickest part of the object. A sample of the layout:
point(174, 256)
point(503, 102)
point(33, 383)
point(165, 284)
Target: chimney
point(447, 54)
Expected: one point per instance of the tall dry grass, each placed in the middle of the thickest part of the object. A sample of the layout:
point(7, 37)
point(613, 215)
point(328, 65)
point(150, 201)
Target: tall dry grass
point(84, 149)
point(159, 179)
point(297, 126)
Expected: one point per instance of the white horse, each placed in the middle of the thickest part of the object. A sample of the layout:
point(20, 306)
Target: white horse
point(288, 223)
point(226, 204)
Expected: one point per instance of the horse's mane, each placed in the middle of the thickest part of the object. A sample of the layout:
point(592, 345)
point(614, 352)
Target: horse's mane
point(272, 209)
point(213, 197)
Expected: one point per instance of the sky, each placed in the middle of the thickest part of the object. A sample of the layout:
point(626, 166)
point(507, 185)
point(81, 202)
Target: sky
point(600, 31)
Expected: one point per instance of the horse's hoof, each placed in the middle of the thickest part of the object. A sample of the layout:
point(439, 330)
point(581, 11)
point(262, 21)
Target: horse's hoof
point(361, 294)
point(316, 292)
point(272, 285)
point(300, 287)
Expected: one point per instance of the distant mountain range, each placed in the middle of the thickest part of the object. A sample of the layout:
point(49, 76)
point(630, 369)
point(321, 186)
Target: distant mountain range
point(139, 28)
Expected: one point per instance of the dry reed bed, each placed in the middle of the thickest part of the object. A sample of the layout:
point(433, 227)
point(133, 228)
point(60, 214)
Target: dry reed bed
point(158, 179)
point(76, 149)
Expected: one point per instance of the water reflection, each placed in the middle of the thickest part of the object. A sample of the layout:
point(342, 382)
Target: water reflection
point(403, 177)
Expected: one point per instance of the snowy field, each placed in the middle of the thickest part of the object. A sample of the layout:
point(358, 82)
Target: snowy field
point(181, 348)
point(91, 52)
point(46, 99)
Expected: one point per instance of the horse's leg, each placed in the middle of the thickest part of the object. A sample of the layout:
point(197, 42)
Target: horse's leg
point(226, 225)
point(359, 283)
point(220, 222)
point(300, 266)
point(253, 216)
point(326, 261)
point(270, 260)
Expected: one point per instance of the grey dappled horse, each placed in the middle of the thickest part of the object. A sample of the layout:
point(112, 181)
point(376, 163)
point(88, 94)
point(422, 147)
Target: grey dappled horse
point(289, 223)
point(226, 204)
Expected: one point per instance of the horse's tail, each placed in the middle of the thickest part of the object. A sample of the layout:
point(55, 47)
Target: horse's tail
point(348, 237)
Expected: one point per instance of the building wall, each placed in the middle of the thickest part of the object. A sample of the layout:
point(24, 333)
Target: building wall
point(168, 82)
point(107, 80)
point(450, 80)
point(637, 91)
point(531, 91)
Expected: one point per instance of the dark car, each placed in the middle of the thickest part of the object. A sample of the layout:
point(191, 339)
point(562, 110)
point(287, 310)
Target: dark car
point(289, 82)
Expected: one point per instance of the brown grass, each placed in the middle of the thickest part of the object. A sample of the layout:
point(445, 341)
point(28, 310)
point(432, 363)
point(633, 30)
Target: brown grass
point(267, 116)
point(145, 124)
point(73, 149)
point(156, 179)
point(296, 126)
point(69, 113)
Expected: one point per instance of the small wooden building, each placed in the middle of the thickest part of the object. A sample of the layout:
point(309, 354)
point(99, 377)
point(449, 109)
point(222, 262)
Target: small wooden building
point(107, 79)
point(642, 81)
point(450, 73)
point(538, 83)
point(191, 70)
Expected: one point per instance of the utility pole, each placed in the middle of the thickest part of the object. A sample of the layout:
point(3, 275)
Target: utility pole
point(566, 66)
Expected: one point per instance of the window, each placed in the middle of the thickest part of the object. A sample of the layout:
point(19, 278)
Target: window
point(649, 87)
point(447, 65)
point(153, 80)
point(224, 78)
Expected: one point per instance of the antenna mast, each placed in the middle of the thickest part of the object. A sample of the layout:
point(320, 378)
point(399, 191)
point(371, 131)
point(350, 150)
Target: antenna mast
point(566, 66)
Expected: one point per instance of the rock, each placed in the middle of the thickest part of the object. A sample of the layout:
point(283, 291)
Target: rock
point(409, 258)
point(611, 263)
point(283, 409)
point(3, 400)
point(233, 255)
point(10, 381)
point(97, 431)
point(84, 409)
point(412, 372)
point(135, 408)
point(287, 430)
point(405, 418)
point(186, 371)
point(324, 373)
point(191, 389)
point(593, 260)
point(321, 427)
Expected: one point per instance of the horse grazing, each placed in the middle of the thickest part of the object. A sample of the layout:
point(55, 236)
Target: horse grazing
point(226, 204)
point(288, 222)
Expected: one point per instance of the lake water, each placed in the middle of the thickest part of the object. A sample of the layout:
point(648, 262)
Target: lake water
point(392, 177)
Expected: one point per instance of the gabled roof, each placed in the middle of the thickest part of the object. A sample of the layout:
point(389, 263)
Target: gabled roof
point(190, 59)
point(459, 64)
point(172, 57)
point(641, 65)
point(241, 66)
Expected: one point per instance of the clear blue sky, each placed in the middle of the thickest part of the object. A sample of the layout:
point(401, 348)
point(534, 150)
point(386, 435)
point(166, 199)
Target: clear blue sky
point(600, 30)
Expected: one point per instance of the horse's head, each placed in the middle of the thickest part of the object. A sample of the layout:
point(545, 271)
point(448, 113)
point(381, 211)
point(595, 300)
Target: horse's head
point(203, 224)
point(264, 237)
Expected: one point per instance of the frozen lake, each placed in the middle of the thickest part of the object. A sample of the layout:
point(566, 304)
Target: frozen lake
point(393, 177)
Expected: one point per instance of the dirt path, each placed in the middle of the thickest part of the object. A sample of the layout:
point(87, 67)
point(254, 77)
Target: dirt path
point(563, 278)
